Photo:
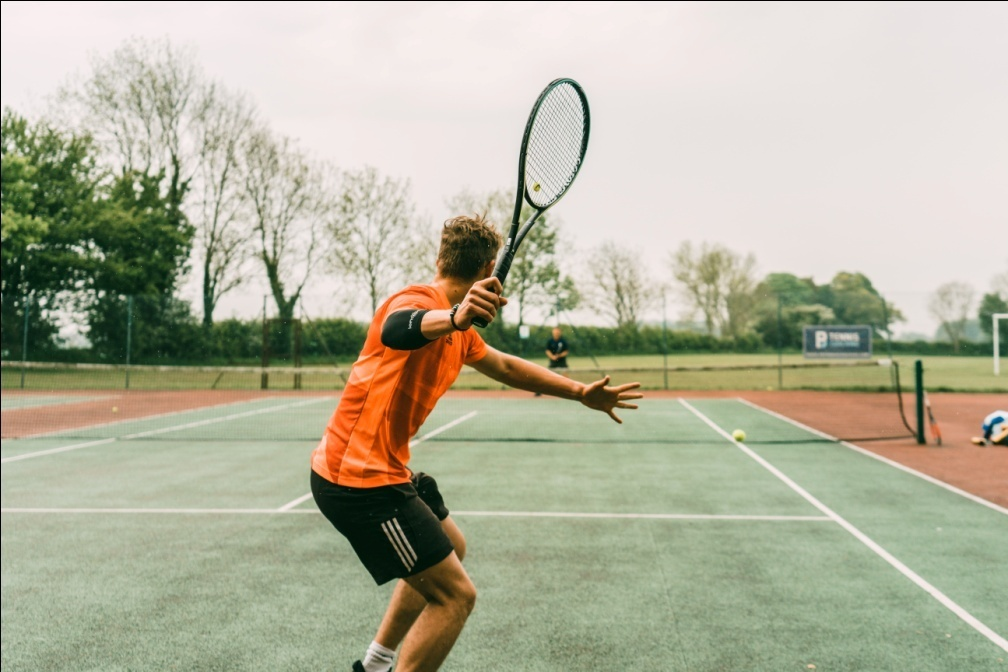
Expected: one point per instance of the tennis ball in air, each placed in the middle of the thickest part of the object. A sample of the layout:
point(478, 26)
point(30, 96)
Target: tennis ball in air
point(738, 435)
point(535, 187)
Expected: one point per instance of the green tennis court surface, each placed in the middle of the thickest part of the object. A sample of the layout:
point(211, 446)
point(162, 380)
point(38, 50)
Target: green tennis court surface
point(657, 545)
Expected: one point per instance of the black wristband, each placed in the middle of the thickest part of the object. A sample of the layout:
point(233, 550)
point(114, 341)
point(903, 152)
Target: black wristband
point(451, 318)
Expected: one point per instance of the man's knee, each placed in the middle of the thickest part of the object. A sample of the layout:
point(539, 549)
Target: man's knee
point(467, 597)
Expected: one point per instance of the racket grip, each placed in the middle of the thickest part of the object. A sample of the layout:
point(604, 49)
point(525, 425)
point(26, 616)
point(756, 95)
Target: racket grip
point(500, 272)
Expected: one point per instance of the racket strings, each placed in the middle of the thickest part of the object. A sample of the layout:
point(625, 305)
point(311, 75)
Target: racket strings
point(555, 147)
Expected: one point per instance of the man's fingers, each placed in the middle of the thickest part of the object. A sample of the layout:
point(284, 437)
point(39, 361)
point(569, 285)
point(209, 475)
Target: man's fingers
point(492, 284)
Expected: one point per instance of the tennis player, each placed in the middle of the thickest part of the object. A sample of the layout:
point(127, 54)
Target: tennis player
point(557, 350)
point(396, 520)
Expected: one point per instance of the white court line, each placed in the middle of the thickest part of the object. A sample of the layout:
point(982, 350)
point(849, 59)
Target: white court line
point(487, 514)
point(434, 432)
point(134, 511)
point(62, 449)
point(162, 430)
point(946, 601)
point(291, 504)
point(640, 516)
point(55, 434)
point(880, 458)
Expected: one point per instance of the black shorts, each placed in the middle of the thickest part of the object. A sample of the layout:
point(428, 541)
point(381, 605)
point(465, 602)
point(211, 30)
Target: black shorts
point(395, 529)
point(558, 365)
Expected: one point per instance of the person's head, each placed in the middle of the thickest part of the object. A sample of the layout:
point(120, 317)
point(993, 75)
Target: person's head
point(557, 333)
point(469, 246)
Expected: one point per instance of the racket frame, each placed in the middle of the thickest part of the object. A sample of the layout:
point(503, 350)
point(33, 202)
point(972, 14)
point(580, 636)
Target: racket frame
point(516, 234)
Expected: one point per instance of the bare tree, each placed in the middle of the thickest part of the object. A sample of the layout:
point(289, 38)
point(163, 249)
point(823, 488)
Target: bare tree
point(950, 305)
point(618, 288)
point(717, 283)
point(291, 200)
point(999, 285)
point(373, 233)
point(220, 212)
point(141, 104)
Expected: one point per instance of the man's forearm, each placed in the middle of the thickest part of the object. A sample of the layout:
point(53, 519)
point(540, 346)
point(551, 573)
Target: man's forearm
point(524, 375)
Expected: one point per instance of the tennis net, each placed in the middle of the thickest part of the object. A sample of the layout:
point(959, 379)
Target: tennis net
point(194, 403)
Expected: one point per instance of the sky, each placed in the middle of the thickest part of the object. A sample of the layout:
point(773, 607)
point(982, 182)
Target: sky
point(818, 137)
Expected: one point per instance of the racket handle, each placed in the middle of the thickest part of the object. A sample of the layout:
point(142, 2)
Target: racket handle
point(500, 272)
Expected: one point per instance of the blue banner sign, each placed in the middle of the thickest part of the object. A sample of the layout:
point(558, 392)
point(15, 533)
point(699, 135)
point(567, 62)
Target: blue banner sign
point(840, 342)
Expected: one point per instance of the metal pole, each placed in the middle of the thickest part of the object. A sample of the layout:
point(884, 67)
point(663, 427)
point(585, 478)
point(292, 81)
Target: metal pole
point(780, 347)
point(24, 340)
point(129, 336)
point(664, 337)
point(919, 375)
point(888, 332)
point(264, 378)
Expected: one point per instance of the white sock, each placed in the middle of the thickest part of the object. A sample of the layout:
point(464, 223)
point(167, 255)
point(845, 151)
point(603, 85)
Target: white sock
point(378, 658)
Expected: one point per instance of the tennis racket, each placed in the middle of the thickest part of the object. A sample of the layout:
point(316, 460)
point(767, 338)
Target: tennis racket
point(552, 151)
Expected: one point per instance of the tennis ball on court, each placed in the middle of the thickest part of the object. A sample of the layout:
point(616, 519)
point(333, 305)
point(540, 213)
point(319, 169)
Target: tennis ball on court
point(738, 435)
point(115, 409)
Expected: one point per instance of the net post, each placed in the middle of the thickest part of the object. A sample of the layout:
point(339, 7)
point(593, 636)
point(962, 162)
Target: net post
point(919, 376)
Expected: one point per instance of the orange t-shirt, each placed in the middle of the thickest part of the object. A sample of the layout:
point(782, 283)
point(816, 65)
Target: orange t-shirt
point(389, 395)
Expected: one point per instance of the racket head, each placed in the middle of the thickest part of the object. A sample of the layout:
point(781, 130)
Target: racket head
point(554, 143)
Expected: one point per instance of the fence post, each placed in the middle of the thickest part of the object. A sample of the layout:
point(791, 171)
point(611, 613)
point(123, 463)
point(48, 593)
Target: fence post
point(24, 339)
point(919, 375)
point(664, 337)
point(780, 346)
point(129, 336)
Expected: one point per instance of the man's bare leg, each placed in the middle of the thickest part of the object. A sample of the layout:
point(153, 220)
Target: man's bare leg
point(450, 596)
point(407, 604)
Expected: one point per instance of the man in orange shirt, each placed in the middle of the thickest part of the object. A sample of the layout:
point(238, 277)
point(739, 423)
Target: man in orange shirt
point(395, 520)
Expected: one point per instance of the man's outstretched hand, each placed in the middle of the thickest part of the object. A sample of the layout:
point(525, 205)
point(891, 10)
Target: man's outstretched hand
point(600, 396)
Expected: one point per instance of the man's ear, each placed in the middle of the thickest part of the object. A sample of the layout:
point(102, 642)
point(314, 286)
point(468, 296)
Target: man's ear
point(489, 269)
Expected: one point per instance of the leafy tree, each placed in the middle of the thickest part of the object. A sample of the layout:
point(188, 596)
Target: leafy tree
point(950, 305)
point(856, 301)
point(990, 305)
point(51, 198)
point(143, 253)
point(850, 298)
point(790, 289)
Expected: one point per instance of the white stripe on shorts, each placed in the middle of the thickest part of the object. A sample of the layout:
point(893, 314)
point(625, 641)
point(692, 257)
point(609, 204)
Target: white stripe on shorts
point(399, 542)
